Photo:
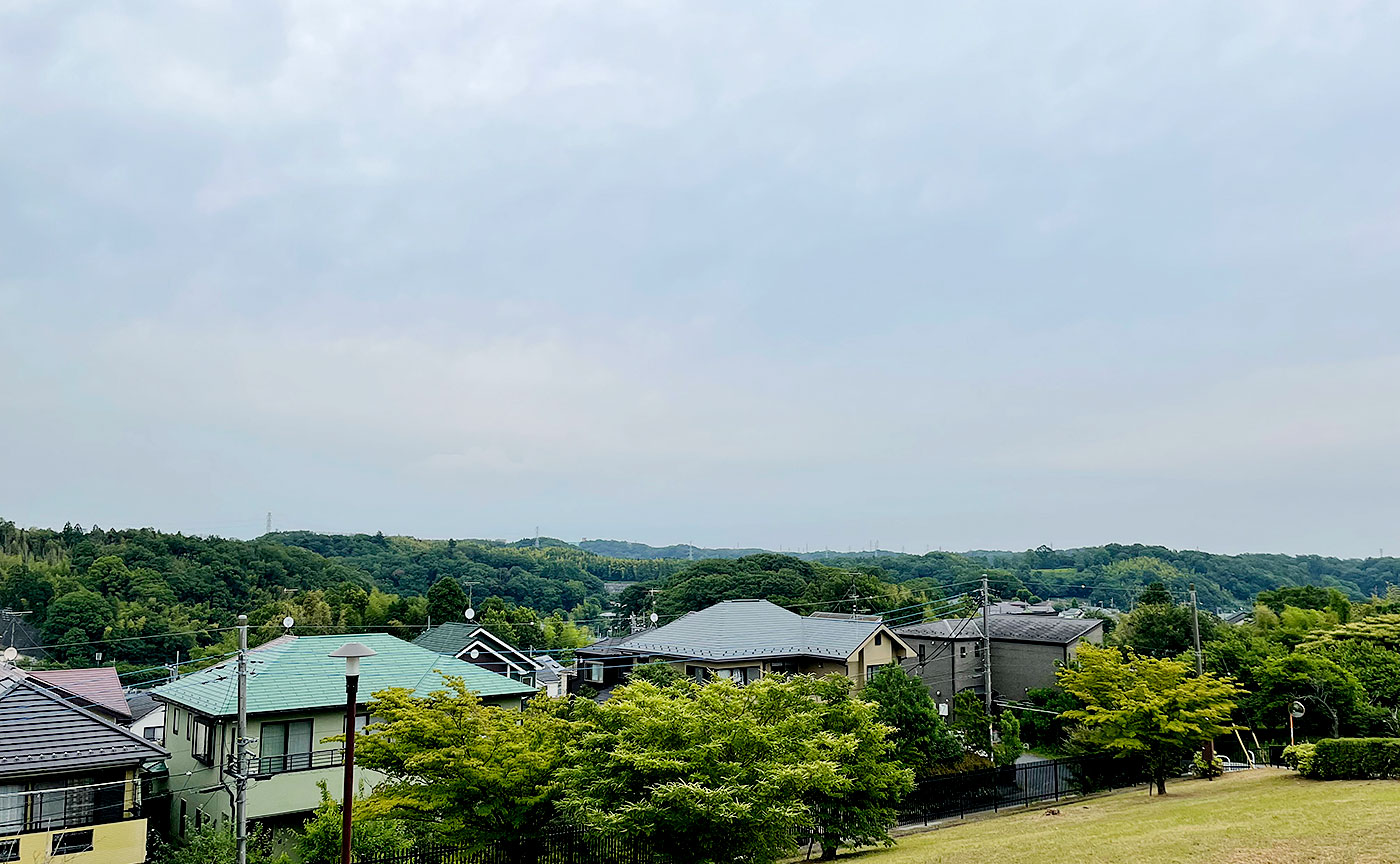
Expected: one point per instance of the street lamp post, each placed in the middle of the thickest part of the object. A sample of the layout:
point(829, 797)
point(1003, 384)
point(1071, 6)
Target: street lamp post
point(352, 652)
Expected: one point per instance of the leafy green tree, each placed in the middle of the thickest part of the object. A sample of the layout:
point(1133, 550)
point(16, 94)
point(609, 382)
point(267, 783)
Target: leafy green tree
point(108, 576)
point(971, 724)
point(213, 845)
point(320, 838)
point(1331, 693)
point(25, 588)
point(1155, 594)
point(1148, 707)
point(658, 672)
point(719, 773)
point(1047, 732)
point(446, 601)
point(1009, 746)
point(80, 613)
point(920, 740)
point(859, 809)
point(1163, 630)
point(471, 773)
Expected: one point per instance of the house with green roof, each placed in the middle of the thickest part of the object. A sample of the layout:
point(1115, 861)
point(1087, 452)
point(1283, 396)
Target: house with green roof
point(296, 700)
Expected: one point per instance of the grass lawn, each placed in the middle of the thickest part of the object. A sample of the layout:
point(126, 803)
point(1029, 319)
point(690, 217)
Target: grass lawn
point(1250, 817)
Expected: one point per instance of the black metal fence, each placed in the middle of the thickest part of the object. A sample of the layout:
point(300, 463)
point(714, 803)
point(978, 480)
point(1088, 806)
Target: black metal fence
point(1017, 786)
point(562, 845)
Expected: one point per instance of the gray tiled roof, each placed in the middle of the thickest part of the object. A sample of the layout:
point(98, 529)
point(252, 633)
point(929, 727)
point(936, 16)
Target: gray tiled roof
point(39, 730)
point(947, 628)
point(1017, 628)
point(742, 629)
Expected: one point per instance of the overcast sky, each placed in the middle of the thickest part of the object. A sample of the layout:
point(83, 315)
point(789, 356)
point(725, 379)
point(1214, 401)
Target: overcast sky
point(957, 275)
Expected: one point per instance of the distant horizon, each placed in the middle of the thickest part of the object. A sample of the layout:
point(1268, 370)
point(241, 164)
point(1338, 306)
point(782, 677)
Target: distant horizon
point(813, 550)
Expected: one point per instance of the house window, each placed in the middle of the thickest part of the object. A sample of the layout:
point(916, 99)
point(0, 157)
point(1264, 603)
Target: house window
point(9, 849)
point(286, 746)
point(977, 649)
point(962, 650)
point(72, 842)
point(879, 639)
point(153, 733)
point(593, 671)
point(202, 741)
point(921, 652)
point(361, 721)
point(742, 675)
point(872, 671)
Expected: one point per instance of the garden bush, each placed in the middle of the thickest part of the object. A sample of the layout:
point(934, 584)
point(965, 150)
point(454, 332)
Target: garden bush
point(1347, 758)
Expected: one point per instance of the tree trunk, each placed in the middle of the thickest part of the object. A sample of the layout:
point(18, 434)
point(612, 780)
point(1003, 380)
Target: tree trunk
point(829, 849)
point(1161, 784)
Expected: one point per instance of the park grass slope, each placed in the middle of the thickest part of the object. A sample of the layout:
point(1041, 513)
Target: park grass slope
point(1266, 816)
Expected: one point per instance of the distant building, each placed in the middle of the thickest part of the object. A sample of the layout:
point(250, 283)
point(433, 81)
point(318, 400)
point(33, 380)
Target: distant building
point(742, 640)
point(1026, 651)
point(69, 785)
point(18, 633)
point(474, 644)
point(147, 716)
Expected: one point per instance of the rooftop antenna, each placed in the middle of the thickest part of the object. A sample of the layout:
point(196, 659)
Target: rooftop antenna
point(471, 603)
point(10, 654)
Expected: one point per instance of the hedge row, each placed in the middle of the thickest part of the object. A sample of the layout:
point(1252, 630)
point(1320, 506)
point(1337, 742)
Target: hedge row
point(1346, 758)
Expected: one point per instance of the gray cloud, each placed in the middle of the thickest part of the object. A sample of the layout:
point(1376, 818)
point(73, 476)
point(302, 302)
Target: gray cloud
point(775, 275)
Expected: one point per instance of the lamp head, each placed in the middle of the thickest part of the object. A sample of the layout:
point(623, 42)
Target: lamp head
point(352, 652)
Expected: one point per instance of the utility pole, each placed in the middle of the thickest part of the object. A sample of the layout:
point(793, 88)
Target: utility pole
point(987, 642)
point(240, 777)
point(1209, 750)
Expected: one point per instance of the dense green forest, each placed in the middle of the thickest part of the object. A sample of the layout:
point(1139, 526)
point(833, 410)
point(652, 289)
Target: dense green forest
point(142, 597)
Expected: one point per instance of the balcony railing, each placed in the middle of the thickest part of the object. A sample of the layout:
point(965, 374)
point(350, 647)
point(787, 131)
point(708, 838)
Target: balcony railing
point(75, 805)
point(265, 766)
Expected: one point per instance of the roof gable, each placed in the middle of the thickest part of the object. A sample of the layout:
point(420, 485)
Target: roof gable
point(739, 629)
point(99, 684)
point(40, 730)
point(294, 673)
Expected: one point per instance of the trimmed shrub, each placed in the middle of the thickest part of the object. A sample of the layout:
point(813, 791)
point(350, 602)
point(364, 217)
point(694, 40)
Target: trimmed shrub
point(1348, 758)
point(1299, 757)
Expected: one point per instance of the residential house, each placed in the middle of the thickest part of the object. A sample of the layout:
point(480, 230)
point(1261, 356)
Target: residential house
point(475, 644)
point(296, 700)
point(1026, 650)
point(1021, 607)
point(97, 689)
point(742, 640)
point(19, 634)
point(69, 786)
point(946, 655)
point(147, 715)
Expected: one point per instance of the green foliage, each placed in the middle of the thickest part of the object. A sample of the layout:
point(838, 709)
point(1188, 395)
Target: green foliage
point(1330, 693)
point(1163, 630)
point(920, 740)
point(76, 618)
point(1047, 733)
point(320, 838)
point(1206, 769)
point(718, 773)
point(1155, 594)
point(1146, 707)
point(469, 773)
point(446, 601)
point(658, 672)
point(1307, 597)
point(1299, 757)
point(1349, 759)
point(211, 845)
point(1008, 747)
point(971, 724)
point(781, 579)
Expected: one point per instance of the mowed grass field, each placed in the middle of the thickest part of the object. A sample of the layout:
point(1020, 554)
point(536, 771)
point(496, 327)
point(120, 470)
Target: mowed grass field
point(1265, 816)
